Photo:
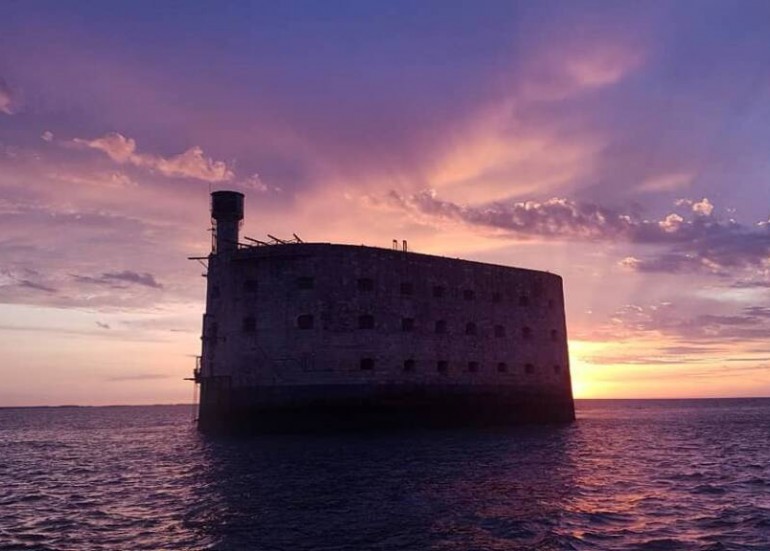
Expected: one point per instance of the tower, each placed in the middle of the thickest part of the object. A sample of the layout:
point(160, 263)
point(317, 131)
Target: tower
point(226, 217)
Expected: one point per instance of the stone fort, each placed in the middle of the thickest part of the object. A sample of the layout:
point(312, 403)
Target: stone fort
point(316, 335)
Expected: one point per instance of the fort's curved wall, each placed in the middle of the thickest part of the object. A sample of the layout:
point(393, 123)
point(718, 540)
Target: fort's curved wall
point(295, 325)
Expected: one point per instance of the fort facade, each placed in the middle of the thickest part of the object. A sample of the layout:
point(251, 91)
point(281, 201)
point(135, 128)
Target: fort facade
point(316, 335)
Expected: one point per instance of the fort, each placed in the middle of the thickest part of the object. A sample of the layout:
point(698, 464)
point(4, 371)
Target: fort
point(312, 336)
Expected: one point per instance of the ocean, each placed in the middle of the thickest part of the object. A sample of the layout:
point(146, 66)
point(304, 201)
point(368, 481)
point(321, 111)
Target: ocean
point(627, 475)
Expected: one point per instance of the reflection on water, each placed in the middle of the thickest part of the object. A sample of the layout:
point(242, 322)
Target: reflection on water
point(627, 475)
point(448, 490)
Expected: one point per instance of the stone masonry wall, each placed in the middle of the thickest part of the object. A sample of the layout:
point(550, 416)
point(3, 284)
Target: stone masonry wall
point(321, 314)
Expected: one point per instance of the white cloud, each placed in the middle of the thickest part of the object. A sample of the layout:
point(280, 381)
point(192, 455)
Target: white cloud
point(188, 164)
point(703, 207)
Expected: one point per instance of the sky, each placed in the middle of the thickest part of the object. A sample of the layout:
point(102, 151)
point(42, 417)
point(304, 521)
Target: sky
point(623, 145)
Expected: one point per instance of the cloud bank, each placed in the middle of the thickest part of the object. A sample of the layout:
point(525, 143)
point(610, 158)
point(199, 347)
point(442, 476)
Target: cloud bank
point(696, 242)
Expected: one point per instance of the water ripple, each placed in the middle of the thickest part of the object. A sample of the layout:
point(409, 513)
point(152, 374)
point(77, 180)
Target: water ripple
point(667, 475)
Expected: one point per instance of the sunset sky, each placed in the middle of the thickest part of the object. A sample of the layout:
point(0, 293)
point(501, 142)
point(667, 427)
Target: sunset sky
point(623, 145)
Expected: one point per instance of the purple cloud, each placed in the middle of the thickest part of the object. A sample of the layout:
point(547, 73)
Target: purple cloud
point(116, 278)
point(699, 243)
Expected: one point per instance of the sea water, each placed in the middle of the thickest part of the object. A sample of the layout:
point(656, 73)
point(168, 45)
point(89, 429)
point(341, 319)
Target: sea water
point(647, 475)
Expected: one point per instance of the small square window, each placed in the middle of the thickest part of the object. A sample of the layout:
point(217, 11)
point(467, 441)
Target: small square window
point(407, 324)
point(305, 321)
point(502, 367)
point(529, 369)
point(250, 286)
point(366, 364)
point(442, 366)
point(407, 288)
point(409, 366)
point(305, 282)
point(499, 331)
point(438, 291)
point(366, 284)
point(441, 327)
point(473, 367)
point(469, 294)
point(366, 322)
point(249, 324)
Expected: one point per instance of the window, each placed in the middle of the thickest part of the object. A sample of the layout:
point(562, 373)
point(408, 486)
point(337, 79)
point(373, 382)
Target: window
point(554, 335)
point(305, 321)
point(407, 288)
point(529, 369)
point(366, 322)
point(441, 327)
point(497, 297)
point(250, 286)
point(526, 333)
point(249, 324)
point(305, 282)
point(473, 367)
point(523, 300)
point(470, 328)
point(438, 291)
point(407, 324)
point(499, 331)
point(366, 284)
point(469, 294)
point(409, 366)
point(502, 367)
point(366, 364)
point(557, 369)
point(442, 366)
